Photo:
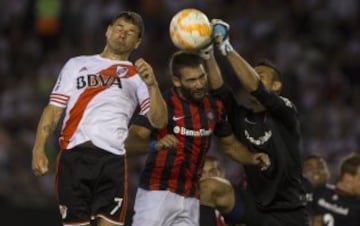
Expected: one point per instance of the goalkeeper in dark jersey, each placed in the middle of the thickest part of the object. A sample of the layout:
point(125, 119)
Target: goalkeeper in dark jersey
point(268, 123)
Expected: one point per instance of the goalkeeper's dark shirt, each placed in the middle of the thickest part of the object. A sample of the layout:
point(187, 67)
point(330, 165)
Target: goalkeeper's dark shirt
point(275, 132)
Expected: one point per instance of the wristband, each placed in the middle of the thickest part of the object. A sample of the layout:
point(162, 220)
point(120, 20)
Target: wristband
point(152, 145)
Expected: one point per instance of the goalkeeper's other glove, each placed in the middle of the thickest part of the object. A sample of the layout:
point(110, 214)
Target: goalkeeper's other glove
point(220, 35)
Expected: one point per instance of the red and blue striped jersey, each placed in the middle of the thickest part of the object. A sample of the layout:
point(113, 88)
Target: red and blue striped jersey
point(193, 123)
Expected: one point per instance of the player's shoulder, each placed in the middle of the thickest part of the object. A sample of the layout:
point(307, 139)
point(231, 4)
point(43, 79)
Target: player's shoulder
point(216, 181)
point(171, 97)
point(330, 187)
point(287, 102)
point(221, 180)
point(216, 184)
point(326, 190)
point(167, 93)
point(214, 100)
point(98, 57)
point(81, 59)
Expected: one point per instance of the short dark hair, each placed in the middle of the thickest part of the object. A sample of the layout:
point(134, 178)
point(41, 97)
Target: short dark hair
point(214, 159)
point(311, 157)
point(181, 59)
point(266, 62)
point(350, 165)
point(133, 18)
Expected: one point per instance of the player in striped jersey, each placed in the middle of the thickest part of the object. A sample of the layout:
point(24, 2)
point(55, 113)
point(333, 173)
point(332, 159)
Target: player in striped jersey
point(168, 192)
point(98, 94)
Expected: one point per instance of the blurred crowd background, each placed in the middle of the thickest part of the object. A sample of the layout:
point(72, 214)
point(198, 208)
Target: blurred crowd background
point(315, 43)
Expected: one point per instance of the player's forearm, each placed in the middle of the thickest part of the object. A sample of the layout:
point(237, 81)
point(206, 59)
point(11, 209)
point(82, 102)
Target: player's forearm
point(239, 153)
point(317, 220)
point(136, 146)
point(244, 71)
point(158, 114)
point(47, 124)
point(137, 141)
point(214, 74)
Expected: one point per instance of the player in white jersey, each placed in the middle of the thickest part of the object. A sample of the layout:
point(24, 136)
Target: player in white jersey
point(99, 95)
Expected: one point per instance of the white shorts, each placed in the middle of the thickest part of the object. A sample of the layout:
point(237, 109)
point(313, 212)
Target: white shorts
point(165, 208)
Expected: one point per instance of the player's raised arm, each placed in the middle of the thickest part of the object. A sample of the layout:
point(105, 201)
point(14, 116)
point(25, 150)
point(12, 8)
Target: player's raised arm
point(243, 70)
point(158, 113)
point(211, 67)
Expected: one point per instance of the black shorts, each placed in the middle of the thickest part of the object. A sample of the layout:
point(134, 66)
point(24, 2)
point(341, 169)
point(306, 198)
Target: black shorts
point(245, 211)
point(91, 183)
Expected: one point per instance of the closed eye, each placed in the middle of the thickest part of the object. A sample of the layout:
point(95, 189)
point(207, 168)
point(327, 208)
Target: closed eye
point(200, 77)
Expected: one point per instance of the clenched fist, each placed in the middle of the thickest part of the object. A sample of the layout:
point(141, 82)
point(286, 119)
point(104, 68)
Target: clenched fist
point(167, 142)
point(40, 163)
point(146, 72)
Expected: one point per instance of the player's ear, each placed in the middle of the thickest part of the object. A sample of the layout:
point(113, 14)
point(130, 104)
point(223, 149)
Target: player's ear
point(107, 33)
point(276, 86)
point(138, 43)
point(176, 81)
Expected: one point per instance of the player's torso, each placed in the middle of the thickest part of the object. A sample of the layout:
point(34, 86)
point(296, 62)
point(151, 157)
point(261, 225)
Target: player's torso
point(179, 169)
point(102, 99)
point(337, 209)
point(192, 123)
point(108, 84)
point(255, 130)
point(279, 187)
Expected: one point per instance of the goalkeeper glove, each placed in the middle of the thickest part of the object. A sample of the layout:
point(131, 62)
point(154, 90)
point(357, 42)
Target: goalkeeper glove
point(220, 34)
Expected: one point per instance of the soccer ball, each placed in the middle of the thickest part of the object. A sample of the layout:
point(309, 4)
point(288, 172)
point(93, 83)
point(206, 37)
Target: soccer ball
point(190, 29)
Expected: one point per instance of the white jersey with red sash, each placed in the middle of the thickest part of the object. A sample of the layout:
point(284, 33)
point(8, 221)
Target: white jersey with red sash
point(100, 96)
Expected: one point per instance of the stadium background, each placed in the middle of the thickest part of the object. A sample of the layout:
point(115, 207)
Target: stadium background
point(315, 43)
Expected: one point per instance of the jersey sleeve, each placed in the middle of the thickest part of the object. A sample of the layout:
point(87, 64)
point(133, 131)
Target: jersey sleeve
point(222, 129)
point(222, 126)
point(225, 94)
point(142, 94)
point(61, 92)
point(141, 120)
point(281, 107)
point(322, 193)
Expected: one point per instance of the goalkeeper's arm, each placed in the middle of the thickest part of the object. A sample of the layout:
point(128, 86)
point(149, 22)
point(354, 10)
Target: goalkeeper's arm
point(243, 70)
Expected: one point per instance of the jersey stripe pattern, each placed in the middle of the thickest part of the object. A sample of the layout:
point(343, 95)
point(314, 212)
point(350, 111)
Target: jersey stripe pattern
point(100, 96)
point(179, 169)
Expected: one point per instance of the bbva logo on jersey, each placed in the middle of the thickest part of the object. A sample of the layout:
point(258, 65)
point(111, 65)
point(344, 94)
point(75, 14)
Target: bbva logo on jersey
point(95, 80)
